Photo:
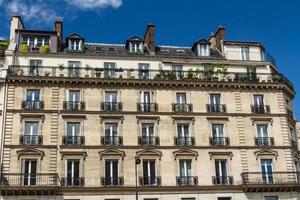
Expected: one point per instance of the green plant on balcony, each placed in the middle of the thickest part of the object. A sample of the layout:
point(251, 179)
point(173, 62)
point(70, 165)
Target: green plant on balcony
point(4, 43)
point(191, 74)
point(24, 49)
point(44, 49)
point(98, 72)
point(208, 74)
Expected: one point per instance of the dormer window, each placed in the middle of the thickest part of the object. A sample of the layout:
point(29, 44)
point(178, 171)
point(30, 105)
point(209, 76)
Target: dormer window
point(34, 42)
point(203, 49)
point(75, 45)
point(75, 42)
point(135, 44)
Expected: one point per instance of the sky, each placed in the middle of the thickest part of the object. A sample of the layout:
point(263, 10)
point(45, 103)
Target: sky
point(274, 23)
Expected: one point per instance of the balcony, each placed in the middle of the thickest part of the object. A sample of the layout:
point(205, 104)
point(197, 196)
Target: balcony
point(187, 180)
point(222, 180)
point(31, 139)
point(112, 140)
point(290, 113)
point(72, 181)
point(147, 107)
point(216, 108)
point(111, 106)
point(112, 181)
point(150, 181)
point(219, 141)
point(182, 107)
point(184, 141)
point(260, 109)
point(73, 140)
point(259, 178)
point(74, 105)
point(29, 180)
point(32, 105)
point(148, 141)
point(158, 75)
point(264, 141)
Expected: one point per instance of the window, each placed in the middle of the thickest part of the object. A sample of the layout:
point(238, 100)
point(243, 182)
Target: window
point(31, 128)
point(149, 172)
point(217, 130)
point(183, 130)
point(29, 170)
point(146, 97)
point(177, 70)
point(245, 53)
point(109, 70)
point(111, 134)
point(293, 134)
point(35, 42)
point(136, 47)
point(73, 129)
point(271, 197)
point(76, 45)
point(203, 50)
point(29, 41)
point(185, 168)
point(74, 69)
point(72, 173)
point(33, 95)
point(262, 130)
point(74, 95)
point(215, 99)
point(266, 171)
point(144, 71)
point(111, 172)
point(147, 130)
point(180, 98)
point(35, 67)
point(111, 97)
point(42, 41)
point(258, 100)
point(221, 172)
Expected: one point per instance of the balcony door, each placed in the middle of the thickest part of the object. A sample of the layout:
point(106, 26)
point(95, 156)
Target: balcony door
point(258, 100)
point(73, 133)
point(251, 72)
point(218, 130)
point(181, 98)
point(74, 69)
point(146, 97)
point(185, 168)
point(221, 171)
point(147, 130)
point(215, 99)
point(111, 172)
point(31, 133)
point(177, 70)
point(144, 71)
point(29, 171)
point(33, 95)
point(266, 171)
point(262, 130)
point(74, 96)
point(35, 67)
point(183, 134)
point(149, 172)
point(111, 133)
point(73, 173)
point(109, 70)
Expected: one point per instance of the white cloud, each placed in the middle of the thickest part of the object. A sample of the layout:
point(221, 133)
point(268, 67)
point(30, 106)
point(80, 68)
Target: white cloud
point(37, 11)
point(95, 4)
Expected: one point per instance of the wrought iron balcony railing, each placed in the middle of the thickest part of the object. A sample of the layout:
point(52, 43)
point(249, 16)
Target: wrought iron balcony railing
point(72, 181)
point(184, 141)
point(73, 140)
point(219, 141)
point(33, 105)
point(112, 140)
point(31, 139)
point(111, 106)
point(187, 180)
point(216, 108)
point(29, 180)
point(182, 107)
point(159, 75)
point(264, 141)
point(260, 178)
point(112, 181)
point(74, 105)
point(147, 107)
point(150, 181)
point(260, 109)
point(222, 180)
point(148, 141)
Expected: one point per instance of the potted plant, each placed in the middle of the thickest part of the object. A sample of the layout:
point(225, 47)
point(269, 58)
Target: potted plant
point(190, 74)
point(24, 49)
point(98, 72)
point(44, 49)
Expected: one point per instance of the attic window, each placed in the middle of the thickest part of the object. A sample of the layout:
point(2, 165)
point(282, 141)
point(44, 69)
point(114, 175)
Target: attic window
point(75, 44)
point(203, 50)
point(181, 51)
point(135, 47)
point(99, 49)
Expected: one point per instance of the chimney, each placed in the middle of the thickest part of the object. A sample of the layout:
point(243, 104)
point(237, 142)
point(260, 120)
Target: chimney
point(15, 23)
point(149, 38)
point(58, 27)
point(217, 38)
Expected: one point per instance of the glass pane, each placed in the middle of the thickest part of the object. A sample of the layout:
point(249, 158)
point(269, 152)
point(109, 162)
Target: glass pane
point(33, 95)
point(74, 95)
point(262, 130)
point(181, 98)
point(73, 128)
point(111, 97)
point(217, 130)
point(258, 100)
point(215, 99)
point(31, 128)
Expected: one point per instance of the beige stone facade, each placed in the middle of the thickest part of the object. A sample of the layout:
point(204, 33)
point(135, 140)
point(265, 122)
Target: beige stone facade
point(210, 137)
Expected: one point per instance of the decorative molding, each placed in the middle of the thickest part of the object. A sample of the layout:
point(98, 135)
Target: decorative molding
point(114, 117)
point(154, 118)
point(73, 116)
point(30, 152)
point(111, 152)
point(41, 117)
point(149, 152)
point(266, 152)
point(185, 152)
point(186, 118)
point(261, 119)
point(226, 154)
point(63, 154)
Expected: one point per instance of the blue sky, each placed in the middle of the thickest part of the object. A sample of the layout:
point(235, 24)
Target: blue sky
point(275, 23)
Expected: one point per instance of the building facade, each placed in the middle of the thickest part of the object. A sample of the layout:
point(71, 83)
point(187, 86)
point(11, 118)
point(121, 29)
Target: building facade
point(138, 120)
